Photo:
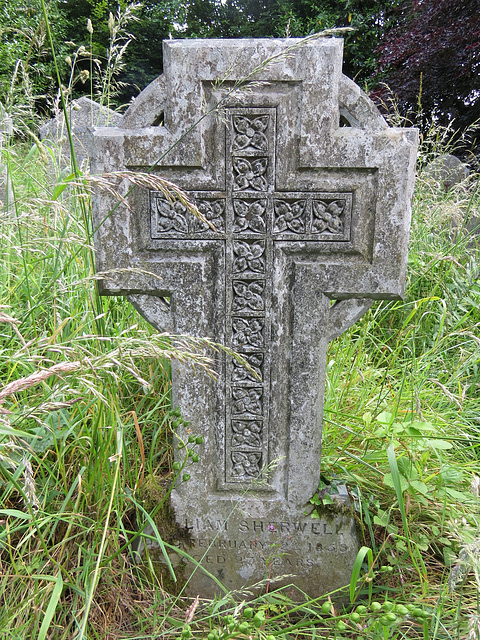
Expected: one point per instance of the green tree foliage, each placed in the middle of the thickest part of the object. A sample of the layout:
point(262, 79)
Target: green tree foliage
point(297, 18)
point(426, 48)
point(160, 19)
point(26, 69)
point(154, 22)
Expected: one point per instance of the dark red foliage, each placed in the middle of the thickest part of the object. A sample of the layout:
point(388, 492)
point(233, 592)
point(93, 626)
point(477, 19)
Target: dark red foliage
point(433, 56)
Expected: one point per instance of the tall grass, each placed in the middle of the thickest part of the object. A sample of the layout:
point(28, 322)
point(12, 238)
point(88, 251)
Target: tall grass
point(86, 417)
point(86, 424)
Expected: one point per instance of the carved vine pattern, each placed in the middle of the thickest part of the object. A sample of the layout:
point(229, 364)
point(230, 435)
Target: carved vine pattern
point(247, 433)
point(214, 212)
point(170, 216)
point(175, 217)
point(247, 332)
point(240, 373)
point(290, 216)
point(249, 256)
point(246, 465)
point(247, 400)
point(248, 296)
point(247, 268)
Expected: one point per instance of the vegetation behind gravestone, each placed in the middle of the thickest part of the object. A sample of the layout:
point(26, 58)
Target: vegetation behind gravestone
point(430, 61)
point(421, 50)
point(77, 444)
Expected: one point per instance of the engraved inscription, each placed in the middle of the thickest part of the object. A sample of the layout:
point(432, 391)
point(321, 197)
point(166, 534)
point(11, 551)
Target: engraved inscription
point(254, 374)
point(247, 433)
point(317, 527)
point(248, 295)
point(247, 332)
point(249, 256)
point(249, 133)
point(246, 465)
point(249, 215)
point(328, 216)
point(249, 174)
point(290, 216)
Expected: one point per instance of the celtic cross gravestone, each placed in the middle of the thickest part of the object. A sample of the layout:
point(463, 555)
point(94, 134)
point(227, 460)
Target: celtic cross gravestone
point(305, 193)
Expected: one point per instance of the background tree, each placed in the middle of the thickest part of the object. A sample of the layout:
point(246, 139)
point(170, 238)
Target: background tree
point(297, 18)
point(431, 58)
point(154, 21)
point(26, 67)
point(426, 51)
point(159, 19)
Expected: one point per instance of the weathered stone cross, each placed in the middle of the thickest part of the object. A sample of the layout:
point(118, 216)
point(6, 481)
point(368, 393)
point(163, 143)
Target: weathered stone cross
point(307, 192)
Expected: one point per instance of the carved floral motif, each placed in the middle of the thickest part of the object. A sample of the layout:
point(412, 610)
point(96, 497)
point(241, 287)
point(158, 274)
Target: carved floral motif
point(169, 216)
point(246, 465)
point(214, 212)
point(249, 174)
point(254, 374)
point(247, 433)
point(249, 256)
point(247, 400)
point(247, 296)
point(249, 133)
point(328, 216)
point(247, 332)
point(249, 215)
point(290, 216)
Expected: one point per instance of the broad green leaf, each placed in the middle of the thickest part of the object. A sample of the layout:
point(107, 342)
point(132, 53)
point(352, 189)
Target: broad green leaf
point(412, 431)
point(388, 480)
point(451, 476)
point(5, 430)
point(385, 418)
point(52, 605)
point(419, 486)
point(357, 567)
point(459, 495)
point(422, 426)
point(439, 444)
point(406, 468)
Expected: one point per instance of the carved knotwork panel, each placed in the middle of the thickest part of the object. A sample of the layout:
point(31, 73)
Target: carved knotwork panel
point(249, 216)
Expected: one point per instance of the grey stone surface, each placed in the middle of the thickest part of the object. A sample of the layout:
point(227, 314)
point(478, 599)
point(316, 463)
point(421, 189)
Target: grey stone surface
point(448, 170)
point(83, 113)
point(311, 222)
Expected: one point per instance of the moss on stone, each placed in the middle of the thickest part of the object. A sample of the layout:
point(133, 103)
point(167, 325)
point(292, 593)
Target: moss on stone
point(153, 496)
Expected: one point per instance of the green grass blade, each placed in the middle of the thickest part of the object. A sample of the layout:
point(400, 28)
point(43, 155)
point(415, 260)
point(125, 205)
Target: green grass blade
point(414, 555)
point(52, 605)
point(357, 567)
point(158, 537)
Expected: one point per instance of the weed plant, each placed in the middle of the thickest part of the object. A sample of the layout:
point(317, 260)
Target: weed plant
point(86, 421)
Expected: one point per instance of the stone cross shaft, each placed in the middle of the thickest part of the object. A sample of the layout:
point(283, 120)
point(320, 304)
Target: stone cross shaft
point(253, 222)
point(307, 192)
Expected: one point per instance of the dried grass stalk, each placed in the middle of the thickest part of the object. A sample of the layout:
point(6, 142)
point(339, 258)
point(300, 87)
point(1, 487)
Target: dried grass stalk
point(37, 377)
